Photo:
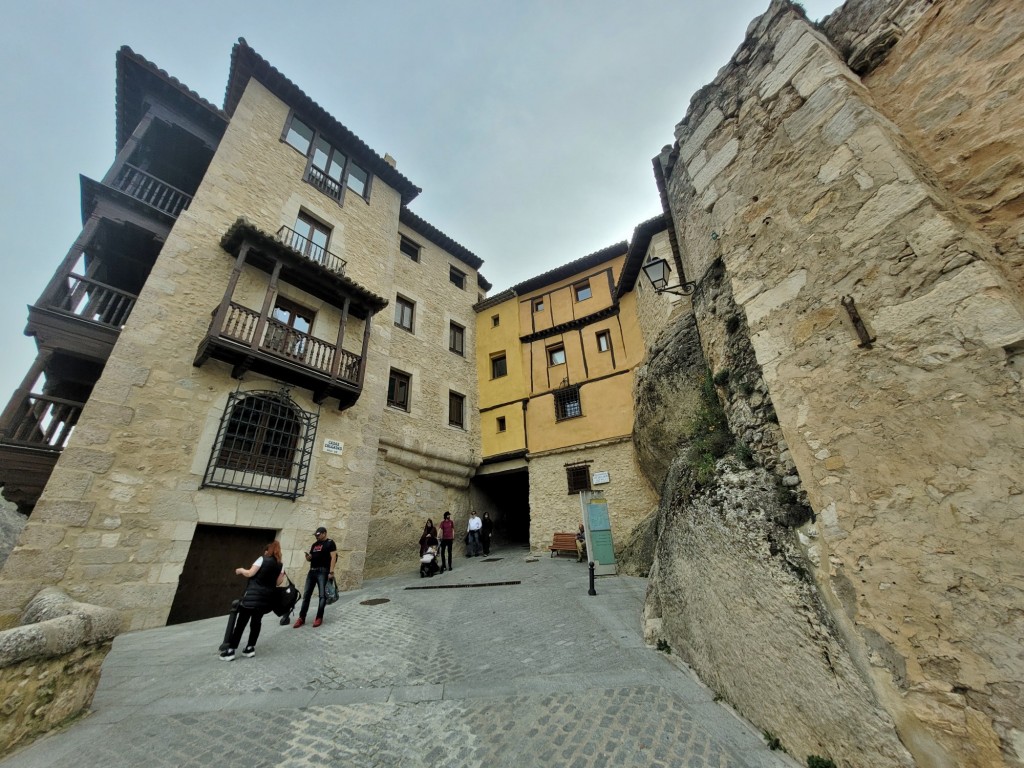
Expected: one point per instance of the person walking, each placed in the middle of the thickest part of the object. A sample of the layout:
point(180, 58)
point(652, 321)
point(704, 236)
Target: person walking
point(447, 539)
point(473, 542)
point(322, 557)
point(264, 575)
point(486, 529)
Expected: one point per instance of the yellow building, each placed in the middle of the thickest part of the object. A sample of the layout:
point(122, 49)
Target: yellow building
point(556, 356)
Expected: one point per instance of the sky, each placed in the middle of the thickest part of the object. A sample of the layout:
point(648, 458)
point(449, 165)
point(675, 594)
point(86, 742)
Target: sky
point(529, 124)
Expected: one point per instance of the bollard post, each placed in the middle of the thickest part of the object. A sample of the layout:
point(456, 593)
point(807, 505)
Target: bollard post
point(592, 591)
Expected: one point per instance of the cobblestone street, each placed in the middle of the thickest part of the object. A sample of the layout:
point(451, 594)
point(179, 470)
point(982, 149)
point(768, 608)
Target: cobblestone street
point(529, 671)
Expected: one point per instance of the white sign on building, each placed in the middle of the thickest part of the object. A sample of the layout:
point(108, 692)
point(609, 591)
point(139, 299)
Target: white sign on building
point(334, 446)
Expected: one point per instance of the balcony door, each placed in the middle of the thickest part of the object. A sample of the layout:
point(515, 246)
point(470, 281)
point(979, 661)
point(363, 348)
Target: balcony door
point(288, 329)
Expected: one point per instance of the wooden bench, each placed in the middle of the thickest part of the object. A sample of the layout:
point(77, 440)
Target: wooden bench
point(563, 542)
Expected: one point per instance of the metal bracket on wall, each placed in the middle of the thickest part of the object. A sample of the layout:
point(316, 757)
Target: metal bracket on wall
point(866, 339)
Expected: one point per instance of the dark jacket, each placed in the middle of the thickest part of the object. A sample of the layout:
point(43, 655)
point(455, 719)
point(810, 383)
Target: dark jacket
point(259, 592)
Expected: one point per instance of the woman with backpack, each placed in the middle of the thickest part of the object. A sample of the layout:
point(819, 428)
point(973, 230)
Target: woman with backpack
point(259, 599)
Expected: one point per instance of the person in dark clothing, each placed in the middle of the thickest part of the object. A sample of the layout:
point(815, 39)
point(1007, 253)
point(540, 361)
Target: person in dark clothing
point(264, 576)
point(447, 539)
point(322, 557)
point(429, 531)
point(486, 528)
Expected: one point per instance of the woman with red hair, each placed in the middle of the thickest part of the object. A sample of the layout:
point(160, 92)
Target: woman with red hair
point(264, 577)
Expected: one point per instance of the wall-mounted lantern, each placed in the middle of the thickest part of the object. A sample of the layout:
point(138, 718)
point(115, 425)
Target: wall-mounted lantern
point(658, 272)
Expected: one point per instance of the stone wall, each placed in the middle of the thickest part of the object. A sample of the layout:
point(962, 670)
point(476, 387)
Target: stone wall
point(51, 665)
point(787, 177)
point(552, 509)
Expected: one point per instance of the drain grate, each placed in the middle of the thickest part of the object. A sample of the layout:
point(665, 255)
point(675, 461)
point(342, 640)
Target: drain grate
point(375, 601)
point(491, 560)
point(463, 586)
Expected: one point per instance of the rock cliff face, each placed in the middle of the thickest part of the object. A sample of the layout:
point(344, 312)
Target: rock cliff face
point(850, 575)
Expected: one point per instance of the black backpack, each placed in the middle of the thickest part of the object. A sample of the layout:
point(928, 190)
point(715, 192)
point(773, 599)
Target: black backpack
point(285, 599)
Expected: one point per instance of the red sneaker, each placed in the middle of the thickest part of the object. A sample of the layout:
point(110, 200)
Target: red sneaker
point(298, 623)
point(317, 622)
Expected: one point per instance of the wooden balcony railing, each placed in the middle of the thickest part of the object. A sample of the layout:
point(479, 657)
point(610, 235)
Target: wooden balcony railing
point(324, 183)
point(280, 340)
point(149, 189)
point(93, 300)
point(311, 250)
point(41, 421)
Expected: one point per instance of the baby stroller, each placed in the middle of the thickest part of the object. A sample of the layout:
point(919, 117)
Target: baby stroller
point(428, 563)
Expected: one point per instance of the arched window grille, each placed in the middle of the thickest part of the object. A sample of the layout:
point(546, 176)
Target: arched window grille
point(263, 445)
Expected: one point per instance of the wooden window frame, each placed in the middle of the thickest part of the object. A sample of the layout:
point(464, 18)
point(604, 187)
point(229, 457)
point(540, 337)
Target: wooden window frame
point(500, 425)
point(402, 303)
point(503, 358)
point(495, 321)
point(456, 332)
point(395, 378)
point(346, 170)
point(579, 288)
point(404, 242)
point(457, 277)
point(538, 305)
point(552, 351)
point(605, 338)
point(456, 415)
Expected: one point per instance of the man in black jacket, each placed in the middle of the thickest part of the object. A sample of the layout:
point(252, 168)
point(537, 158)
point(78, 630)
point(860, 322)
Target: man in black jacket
point(322, 557)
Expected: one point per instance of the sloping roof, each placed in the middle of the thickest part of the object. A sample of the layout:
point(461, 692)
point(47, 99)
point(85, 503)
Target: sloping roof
point(568, 270)
point(246, 64)
point(641, 241)
point(137, 76)
point(436, 236)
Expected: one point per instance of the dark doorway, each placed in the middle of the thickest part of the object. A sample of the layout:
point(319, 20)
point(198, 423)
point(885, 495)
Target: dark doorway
point(508, 498)
point(208, 583)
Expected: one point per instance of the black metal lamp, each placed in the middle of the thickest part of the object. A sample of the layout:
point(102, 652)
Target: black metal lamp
point(658, 271)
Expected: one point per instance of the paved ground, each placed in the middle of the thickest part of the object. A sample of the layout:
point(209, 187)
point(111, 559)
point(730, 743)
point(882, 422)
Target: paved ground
point(514, 674)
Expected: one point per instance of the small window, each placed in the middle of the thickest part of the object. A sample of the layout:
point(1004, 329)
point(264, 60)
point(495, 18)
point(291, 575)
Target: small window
point(456, 338)
point(495, 321)
point(404, 311)
point(358, 179)
point(398, 390)
point(567, 403)
point(310, 238)
point(501, 423)
point(577, 477)
point(499, 366)
point(582, 290)
point(604, 341)
point(556, 355)
point(409, 248)
point(456, 409)
point(538, 305)
point(299, 135)
point(457, 277)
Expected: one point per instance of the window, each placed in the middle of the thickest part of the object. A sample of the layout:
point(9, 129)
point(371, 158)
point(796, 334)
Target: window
point(538, 305)
point(456, 409)
point(501, 424)
point(328, 168)
point(310, 238)
point(582, 290)
point(404, 311)
point(409, 248)
point(604, 341)
point(556, 355)
point(299, 135)
point(567, 403)
point(263, 445)
point(495, 321)
point(456, 338)
point(499, 366)
point(458, 277)
point(288, 329)
point(578, 477)
point(398, 390)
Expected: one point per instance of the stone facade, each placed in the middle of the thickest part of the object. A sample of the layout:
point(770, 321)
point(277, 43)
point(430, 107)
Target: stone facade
point(789, 179)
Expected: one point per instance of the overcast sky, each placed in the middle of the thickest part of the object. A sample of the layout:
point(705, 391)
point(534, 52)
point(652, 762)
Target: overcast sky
point(529, 124)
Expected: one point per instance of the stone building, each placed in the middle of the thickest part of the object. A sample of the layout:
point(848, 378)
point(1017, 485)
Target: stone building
point(240, 345)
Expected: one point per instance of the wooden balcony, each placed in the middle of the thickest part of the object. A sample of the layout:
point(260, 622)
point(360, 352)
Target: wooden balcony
point(83, 316)
point(33, 433)
point(250, 341)
point(148, 189)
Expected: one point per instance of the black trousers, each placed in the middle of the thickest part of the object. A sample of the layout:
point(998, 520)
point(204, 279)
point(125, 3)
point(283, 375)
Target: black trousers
point(251, 616)
point(446, 546)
